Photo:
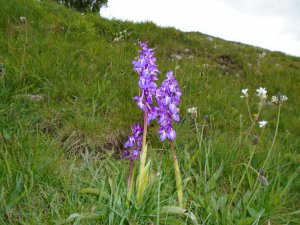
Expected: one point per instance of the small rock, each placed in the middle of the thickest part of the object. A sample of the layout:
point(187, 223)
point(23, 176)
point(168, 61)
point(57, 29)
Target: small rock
point(176, 56)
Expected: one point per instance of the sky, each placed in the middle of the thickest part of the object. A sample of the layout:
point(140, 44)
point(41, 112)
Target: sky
point(269, 24)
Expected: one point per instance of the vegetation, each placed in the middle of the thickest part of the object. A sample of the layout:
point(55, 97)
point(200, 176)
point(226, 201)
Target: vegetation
point(66, 106)
point(84, 5)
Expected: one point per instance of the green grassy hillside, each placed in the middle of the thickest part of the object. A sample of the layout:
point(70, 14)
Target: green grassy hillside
point(66, 103)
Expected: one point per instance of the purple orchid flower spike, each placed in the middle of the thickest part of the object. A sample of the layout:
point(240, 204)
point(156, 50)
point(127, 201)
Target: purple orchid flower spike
point(134, 143)
point(146, 67)
point(168, 98)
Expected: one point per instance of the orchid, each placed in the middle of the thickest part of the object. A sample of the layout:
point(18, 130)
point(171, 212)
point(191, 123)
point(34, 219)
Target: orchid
point(134, 142)
point(168, 97)
point(157, 103)
point(145, 66)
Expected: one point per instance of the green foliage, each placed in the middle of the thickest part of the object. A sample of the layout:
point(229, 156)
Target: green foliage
point(66, 107)
point(84, 5)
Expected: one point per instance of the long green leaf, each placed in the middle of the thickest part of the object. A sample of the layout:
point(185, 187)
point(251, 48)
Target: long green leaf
point(211, 184)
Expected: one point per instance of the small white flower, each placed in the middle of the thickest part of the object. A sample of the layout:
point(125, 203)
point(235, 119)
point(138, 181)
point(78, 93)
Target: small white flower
point(206, 65)
point(193, 111)
point(262, 123)
point(284, 98)
point(245, 92)
point(23, 19)
point(279, 99)
point(262, 93)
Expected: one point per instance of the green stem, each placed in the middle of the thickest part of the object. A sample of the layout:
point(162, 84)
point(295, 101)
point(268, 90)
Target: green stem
point(248, 166)
point(249, 112)
point(199, 151)
point(130, 187)
point(130, 173)
point(274, 139)
point(255, 119)
point(142, 165)
point(158, 196)
point(244, 174)
point(256, 186)
point(177, 176)
point(143, 172)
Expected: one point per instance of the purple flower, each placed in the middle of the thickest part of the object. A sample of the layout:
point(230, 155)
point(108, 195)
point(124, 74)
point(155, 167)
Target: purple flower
point(145, 66)
point(168, 97)
point(134, 142)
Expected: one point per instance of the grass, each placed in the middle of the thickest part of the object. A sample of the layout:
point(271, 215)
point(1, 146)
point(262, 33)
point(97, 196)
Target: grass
point(66, 108)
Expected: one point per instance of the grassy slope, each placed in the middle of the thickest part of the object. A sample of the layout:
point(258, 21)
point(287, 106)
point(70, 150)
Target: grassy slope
point(87, 84)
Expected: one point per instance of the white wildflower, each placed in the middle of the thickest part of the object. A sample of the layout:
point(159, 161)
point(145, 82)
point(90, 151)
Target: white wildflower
point(245, 93)
point(279, 98)
point(262, 123)
point(23, 19)
point(284, 98)
point(193, 111)
point(262, 93)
